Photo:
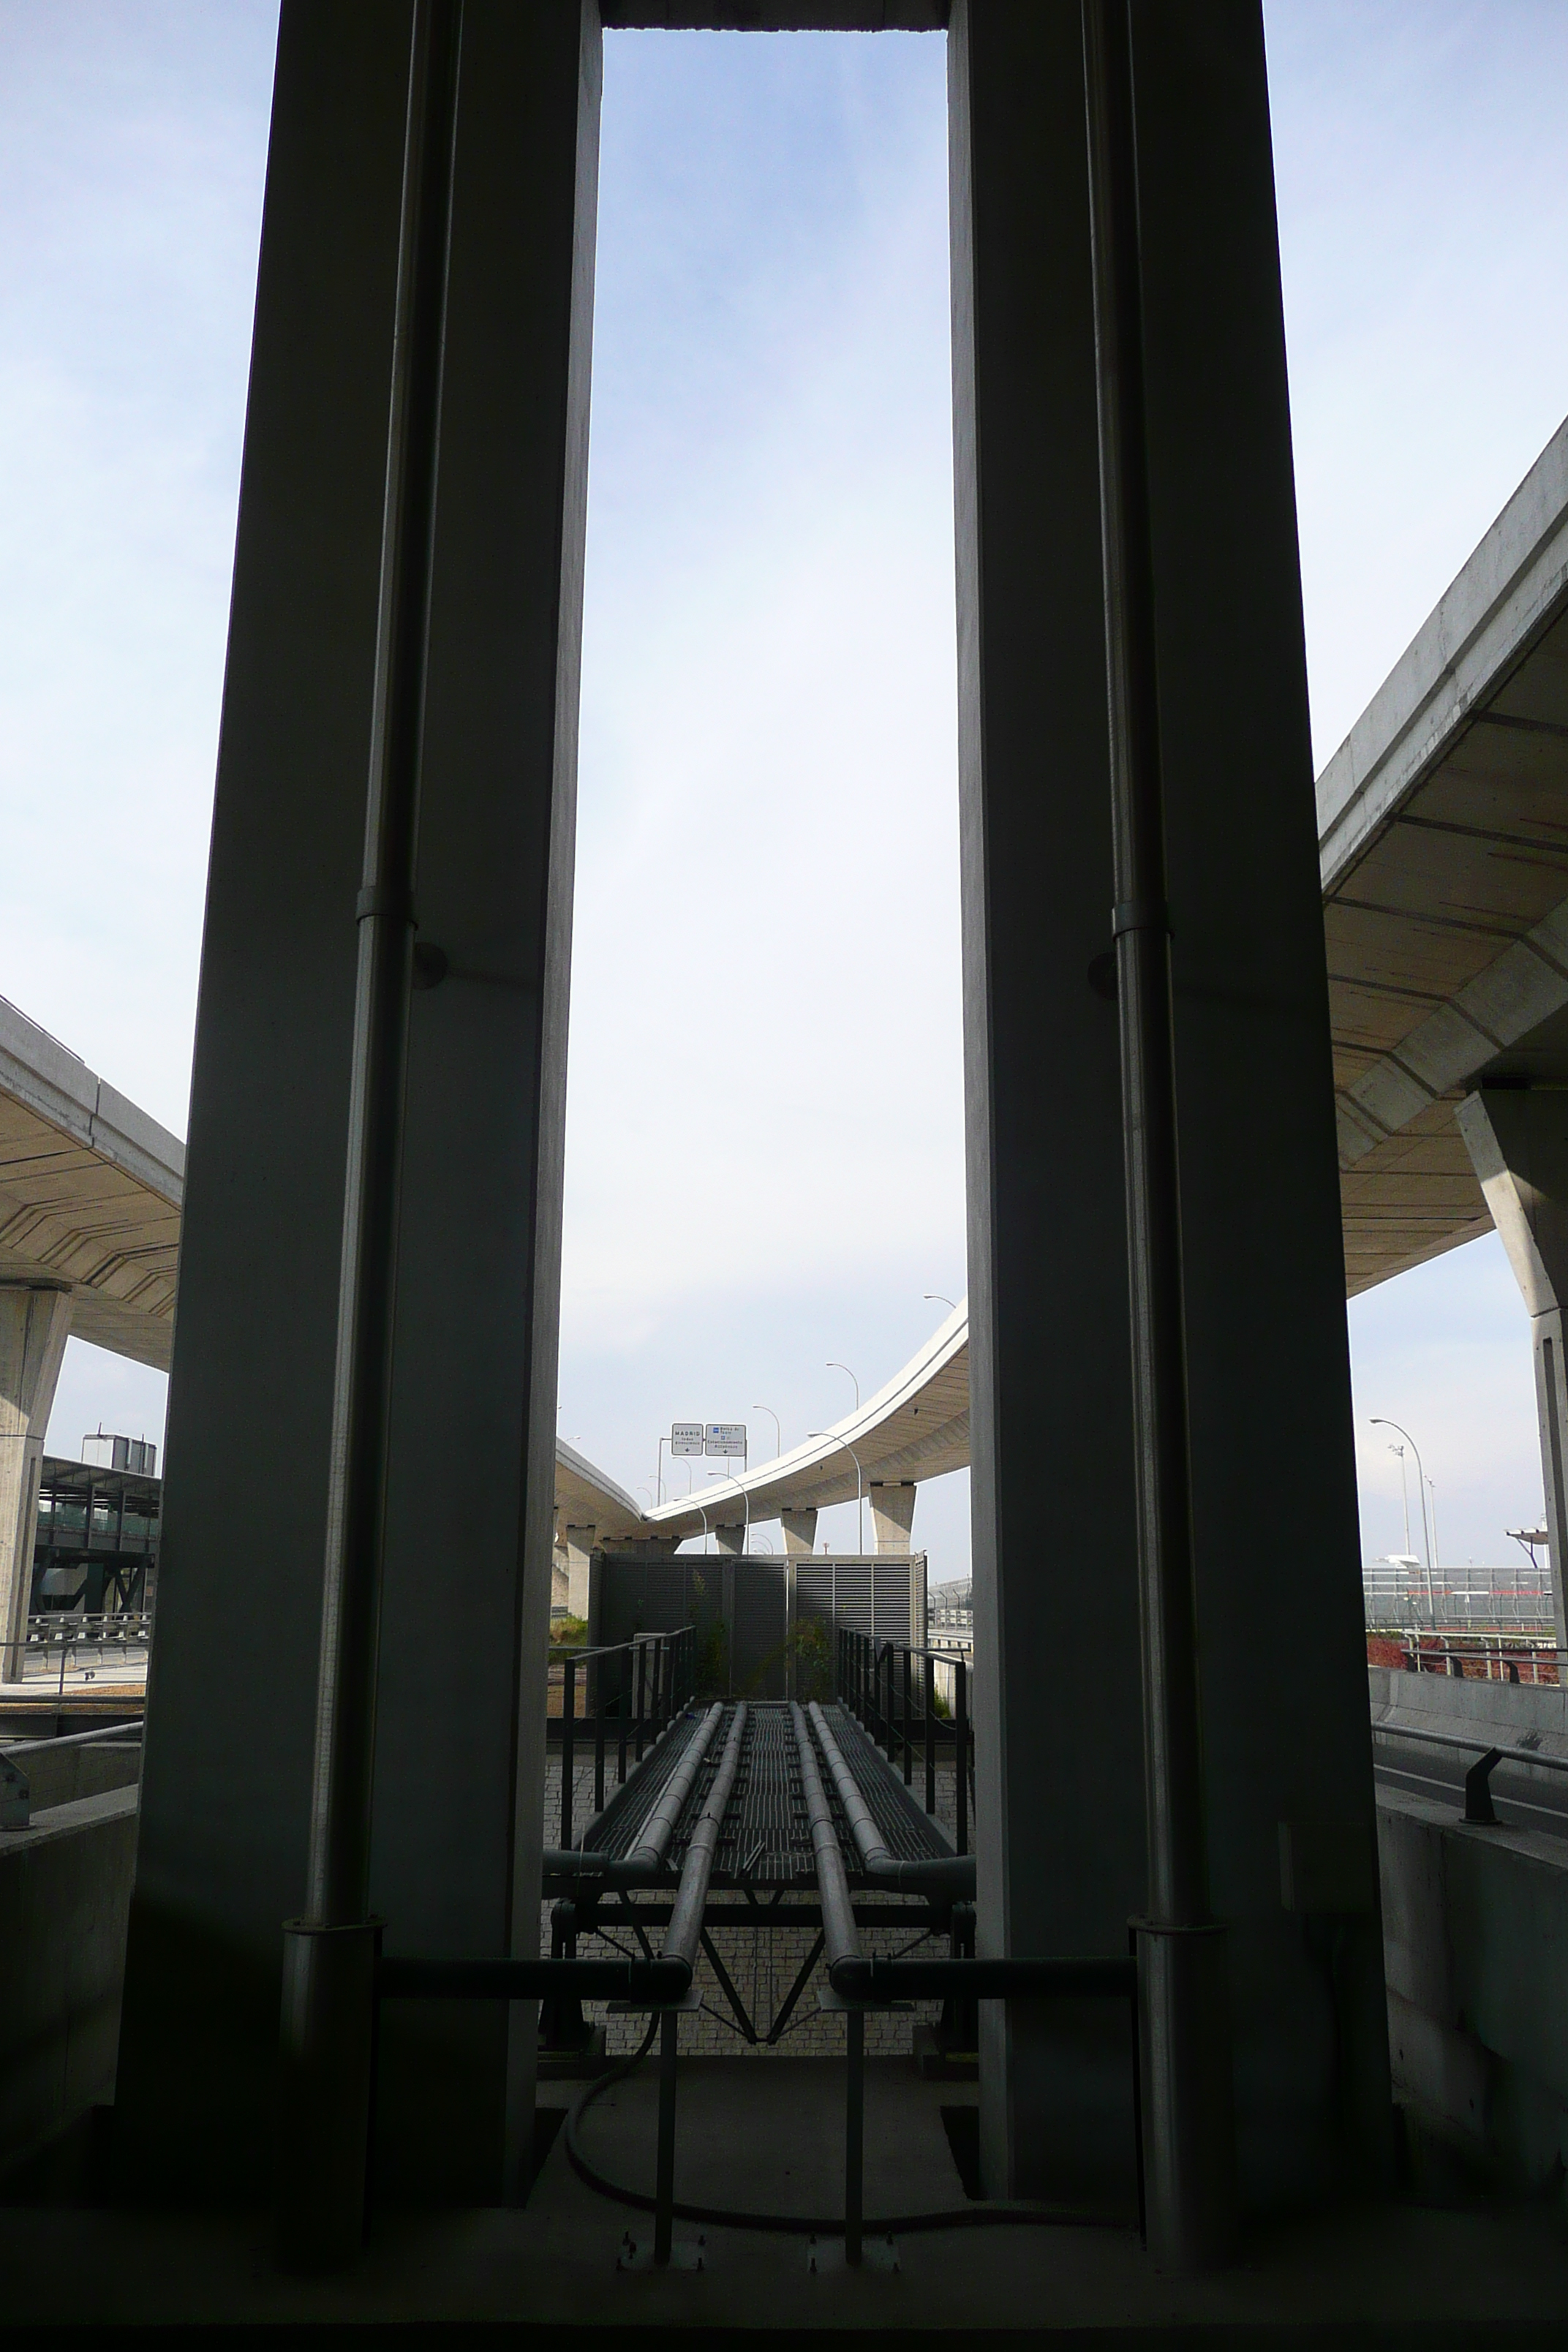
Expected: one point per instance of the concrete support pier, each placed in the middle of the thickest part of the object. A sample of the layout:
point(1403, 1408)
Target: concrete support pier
point(1061, 1795)
point(580, 1544)
point(35, 1324)
point(1518, 1141)
point(892, 1514)
point(799, 1532)
point(459, 1724)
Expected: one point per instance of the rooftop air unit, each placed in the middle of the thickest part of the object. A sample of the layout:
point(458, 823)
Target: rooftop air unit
point(134, 1453)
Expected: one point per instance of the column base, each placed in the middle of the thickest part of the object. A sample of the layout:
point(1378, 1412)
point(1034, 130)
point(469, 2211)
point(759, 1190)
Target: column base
point(1186, 2098)
point(328, 2064)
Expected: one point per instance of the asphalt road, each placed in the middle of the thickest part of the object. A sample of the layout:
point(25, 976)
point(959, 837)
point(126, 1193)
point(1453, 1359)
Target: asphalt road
point(1523, 1802)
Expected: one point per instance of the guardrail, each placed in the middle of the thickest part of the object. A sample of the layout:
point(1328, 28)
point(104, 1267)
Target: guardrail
point(878, 1682)
point(15, 1787)
point(126, 1627)
point(1479, 1806)
point(634, 1702)
point(69, 1630)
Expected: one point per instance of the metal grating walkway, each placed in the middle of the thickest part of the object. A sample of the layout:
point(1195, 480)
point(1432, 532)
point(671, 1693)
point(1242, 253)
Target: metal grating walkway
point(767, 1836)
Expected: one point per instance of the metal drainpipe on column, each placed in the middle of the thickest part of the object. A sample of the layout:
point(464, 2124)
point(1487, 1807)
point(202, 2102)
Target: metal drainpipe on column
point(1187, 2099)
point(330, 1955)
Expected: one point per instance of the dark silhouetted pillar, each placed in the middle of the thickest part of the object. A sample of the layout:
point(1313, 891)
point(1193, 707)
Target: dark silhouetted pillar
point(461, 1730)
point(1287, 1749)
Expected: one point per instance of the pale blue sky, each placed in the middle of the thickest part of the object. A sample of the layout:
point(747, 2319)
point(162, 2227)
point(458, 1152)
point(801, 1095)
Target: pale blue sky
point(768, 666)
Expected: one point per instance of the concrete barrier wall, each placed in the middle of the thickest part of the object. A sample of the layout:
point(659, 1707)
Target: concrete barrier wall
point(1511, 1715)
point(65, 1896)
point(1475, 1950)
point(61, 1775)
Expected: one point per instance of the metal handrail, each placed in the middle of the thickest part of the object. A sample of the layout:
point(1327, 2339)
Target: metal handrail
point(658, 1699)
point(608, 1649)
point(1479, 1806)
point(865, 1685)
point(15, 1785)
point(130, 1729)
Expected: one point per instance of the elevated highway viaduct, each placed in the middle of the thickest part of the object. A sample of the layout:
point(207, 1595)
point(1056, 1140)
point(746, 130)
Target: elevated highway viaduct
point(1443, 843)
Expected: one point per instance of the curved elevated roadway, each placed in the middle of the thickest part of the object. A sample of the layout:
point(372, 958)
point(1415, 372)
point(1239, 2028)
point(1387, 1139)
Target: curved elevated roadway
point(1443, 828)
point(90, 1195)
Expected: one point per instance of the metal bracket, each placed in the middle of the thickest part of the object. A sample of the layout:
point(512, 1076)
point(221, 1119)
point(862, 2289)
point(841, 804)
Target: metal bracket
point(1479, 1806)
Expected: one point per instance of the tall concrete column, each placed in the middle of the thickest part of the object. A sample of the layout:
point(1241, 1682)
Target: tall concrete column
point(580, 1544)
point(799, 1532)
point(460, 1719)
point(892, 1514)
point(1518, 1143)
point(1061, 1794)
point(1059, 1833)
point(35, 1324)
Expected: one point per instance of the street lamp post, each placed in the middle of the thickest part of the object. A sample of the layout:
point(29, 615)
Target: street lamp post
point(778, 1428)
point(1381, 1421)
point(835, 1366)
point(658, 1474)
point(936, 1298)
point(1403, 1493)
point(859, 1481)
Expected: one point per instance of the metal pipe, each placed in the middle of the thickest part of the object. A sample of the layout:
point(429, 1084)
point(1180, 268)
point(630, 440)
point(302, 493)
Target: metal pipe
point(686, 1914)
point(937, 1873)
point(340, 1839)
point(328, 1959)
point(648, 1848)
point(589, 1827)
point(650, 1982)
point(840, 1936)
point(1190, 2138)
point(881, 1981)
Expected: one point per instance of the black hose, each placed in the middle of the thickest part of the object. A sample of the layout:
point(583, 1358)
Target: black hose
point(718, 2216)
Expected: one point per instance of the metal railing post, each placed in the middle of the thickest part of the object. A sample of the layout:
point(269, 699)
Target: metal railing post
point(909, 1669)
point(930, 1666)
point(622, 1696)
point(568, 1707)
point(597, 1688)
point(960, 1749)
point(642, 1698)
point(854, 2134)
point(664, 2178)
